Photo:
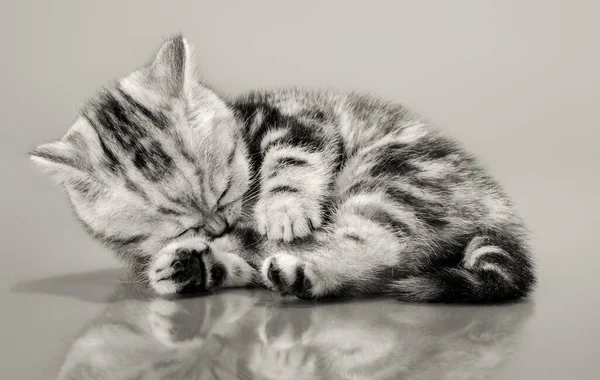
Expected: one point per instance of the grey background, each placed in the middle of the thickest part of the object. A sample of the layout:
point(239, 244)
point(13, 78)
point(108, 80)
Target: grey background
point(516, 81)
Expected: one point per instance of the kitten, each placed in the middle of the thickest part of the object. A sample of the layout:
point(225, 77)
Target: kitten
point(313, 194)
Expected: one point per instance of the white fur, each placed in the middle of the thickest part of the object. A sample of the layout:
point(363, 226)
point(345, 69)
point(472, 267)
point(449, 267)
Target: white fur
point(287, 265)
point(239, 272)
point(285, 217)
point(412, 133)
point(497, 269)
point(471, 257)
point(272, 136)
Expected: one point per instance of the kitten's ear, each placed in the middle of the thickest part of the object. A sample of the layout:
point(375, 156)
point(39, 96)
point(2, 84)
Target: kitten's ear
point(60, 160)
point(171, 70)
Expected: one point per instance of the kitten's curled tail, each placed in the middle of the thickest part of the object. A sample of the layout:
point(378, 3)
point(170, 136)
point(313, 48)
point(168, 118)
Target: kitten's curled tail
point(489, 272)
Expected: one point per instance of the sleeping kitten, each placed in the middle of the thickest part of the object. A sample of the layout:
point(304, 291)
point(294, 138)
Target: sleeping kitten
point(313, 194)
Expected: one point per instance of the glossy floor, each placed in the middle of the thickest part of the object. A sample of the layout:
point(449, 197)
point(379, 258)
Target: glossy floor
point(251, 334)
point(95, 325)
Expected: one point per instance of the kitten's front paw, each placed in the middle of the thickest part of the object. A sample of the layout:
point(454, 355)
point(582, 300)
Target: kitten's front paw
point(285, 217)
point(181, 267)
point(192, 266)
point(289, 275)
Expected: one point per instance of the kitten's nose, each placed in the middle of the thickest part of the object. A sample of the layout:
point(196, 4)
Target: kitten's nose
point(216, 226)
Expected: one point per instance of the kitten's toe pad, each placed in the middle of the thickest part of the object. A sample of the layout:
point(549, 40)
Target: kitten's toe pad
point(181, 267)
point(288, 275)
point(285, 217)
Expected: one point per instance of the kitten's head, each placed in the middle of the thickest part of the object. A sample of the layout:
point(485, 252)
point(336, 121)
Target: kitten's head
point(152, 156)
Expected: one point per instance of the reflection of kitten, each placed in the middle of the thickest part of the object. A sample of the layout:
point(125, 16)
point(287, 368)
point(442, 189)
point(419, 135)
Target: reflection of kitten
point(243, 335)
point(353, 194)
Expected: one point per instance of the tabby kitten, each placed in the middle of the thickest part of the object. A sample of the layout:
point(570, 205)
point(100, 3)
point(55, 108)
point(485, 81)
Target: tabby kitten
point(313, 194)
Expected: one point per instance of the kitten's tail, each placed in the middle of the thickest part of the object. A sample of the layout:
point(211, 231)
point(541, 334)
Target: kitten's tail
point(487, 274)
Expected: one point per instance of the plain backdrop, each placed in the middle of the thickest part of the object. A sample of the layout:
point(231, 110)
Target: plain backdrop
point(516, 81)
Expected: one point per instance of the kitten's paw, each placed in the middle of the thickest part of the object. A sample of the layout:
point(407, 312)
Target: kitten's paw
point(285, 217)
point(289, 275)
point(181, 267)
point(192, 266)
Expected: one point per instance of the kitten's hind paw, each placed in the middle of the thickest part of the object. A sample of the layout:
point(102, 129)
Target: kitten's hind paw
point(288, 275)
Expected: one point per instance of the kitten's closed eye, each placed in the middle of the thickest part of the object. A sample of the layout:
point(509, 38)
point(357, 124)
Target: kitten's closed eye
point(194, 229)
point(223, 194)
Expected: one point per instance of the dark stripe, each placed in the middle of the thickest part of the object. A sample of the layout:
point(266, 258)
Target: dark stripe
point(395, 158)
point(314, 114)
point(133, 187)
point(182, 148)
point(353, 237)
point(384, 219)
point(328, 208)
point(290, 161)
point(153, 162)
point(158, 119)
point(342, 155)
point(169, 211)
point(299, 133)
point(431, 213)
point(363, 187)
point(283, 189)
point(286, 162)
point(54, 158)
point(187, 203)
point(232, 155)
point(117, 121)
point(87, 188)
point(428, 148)
point(224, 192)
point(389, 162)
point(111, 161)
point(120, 241)
point(434, 186)
point(250, 240)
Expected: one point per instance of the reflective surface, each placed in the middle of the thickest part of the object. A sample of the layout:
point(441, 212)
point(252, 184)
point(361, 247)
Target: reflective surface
point(253, 334)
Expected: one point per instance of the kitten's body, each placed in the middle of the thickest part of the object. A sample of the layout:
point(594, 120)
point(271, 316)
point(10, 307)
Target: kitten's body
point(328, 194)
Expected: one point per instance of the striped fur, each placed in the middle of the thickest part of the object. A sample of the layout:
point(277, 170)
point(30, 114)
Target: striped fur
point(319, 193)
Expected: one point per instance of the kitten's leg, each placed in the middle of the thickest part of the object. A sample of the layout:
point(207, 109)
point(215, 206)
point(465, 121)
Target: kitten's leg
point(295, 183)
point(495, 267)
point(192, 265)
point(359, 254)
point(374, 246)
